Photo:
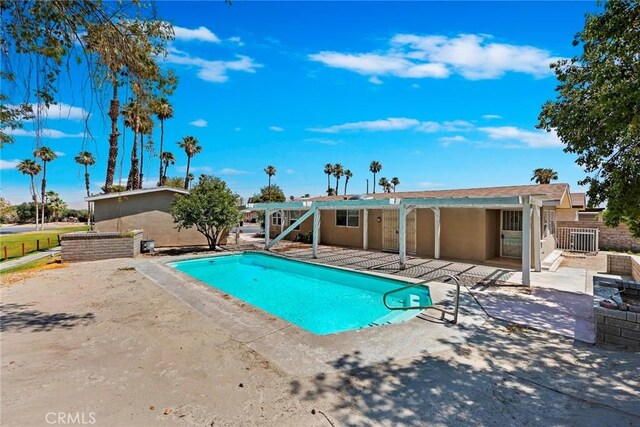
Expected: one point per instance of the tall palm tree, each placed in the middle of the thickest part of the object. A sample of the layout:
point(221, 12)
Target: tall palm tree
point(328, 169)
point(190, 178)
point(338, 171)
point(331, 192)
point(146, 128)
point(270, 171)
point(47, 155)
point(347, 177)
point(374, 168)
point(86, 159)
point(191, 147)
point(544, 176)
point(395, 182)
point(56, 205)
point(163, 111)
point(166, 158)
point(132, 116)
point(385, 184)
point(31, 168)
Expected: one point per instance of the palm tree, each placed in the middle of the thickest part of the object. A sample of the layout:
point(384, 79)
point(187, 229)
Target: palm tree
point(47, 155)
point(191, 147)
point(374, 168)
point(146, 128)
point(270, 171)
point(347, 177)
point(56, 205)
point(395, 182)
point(31, 168)
point(338, 171)
point(86, 159)
point(331, 192)
point(544, 176)
point(328, 169)
point(132, 116)
point(385, 184)
point(166, 158)
point(163, 111)
point(190, 177)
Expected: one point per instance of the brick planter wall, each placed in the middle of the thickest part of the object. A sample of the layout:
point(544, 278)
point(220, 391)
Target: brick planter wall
point(616, 238)
point(619, 264)
point(635, 268)
point(92, 246)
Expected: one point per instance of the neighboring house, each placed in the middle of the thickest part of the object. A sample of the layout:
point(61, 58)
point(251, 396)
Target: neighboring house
point(570, 207)
point(477, 224)
point(146, 210)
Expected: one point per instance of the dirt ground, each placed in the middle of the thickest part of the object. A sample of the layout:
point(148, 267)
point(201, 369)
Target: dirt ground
point(101, 340)
point(595, 263)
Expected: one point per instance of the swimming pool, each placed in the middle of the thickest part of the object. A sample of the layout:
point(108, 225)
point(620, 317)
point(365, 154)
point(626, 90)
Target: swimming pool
point(322, 300)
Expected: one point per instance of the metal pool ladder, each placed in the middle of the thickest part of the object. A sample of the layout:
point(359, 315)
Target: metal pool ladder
point(447, 278)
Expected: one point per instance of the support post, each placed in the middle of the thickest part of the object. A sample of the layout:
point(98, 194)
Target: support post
point(436, 233)
point(537, 239)
point(316, 232)
point(526, 242)
point(365, 229)
point(267, 223)
point(402, 235)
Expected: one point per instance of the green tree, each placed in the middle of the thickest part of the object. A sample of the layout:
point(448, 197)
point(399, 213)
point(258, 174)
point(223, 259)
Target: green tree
point(191, 147)
point(347, 176)
point(374, 168)
point(31, 168)
point(270, 171)
point(597, 110)
point(268, 194)
point(46, 155)
point(385, 184)
point(86, 159)
point(56, 206)
point(26, 212)
point(146, 129)
point(328, 170)
point(163, 111)
point(132, 113)
point(166, 158)
point(7, 212)
point(395, 181)
point(338, 171)
point(544, 176)
point(211, 207)
point(174, 182)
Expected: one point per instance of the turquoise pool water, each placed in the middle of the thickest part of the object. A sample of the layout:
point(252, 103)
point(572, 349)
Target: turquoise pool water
point(322, 300)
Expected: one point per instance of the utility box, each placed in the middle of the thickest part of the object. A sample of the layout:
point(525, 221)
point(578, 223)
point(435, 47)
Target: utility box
point(147, 246)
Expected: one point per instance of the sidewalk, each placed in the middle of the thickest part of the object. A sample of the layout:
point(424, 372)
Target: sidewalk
point(29, 258)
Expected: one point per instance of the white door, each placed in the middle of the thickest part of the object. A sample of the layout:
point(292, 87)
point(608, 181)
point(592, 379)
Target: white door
point(511, 234)
point(390, 241)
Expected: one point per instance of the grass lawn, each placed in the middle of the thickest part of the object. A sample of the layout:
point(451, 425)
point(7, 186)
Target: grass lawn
point(38, 264)
point(13, 242)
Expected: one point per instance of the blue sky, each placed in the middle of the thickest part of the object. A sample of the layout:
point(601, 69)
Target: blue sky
point(444, 95)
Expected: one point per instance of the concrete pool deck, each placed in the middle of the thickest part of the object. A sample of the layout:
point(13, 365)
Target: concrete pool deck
point(298, 351)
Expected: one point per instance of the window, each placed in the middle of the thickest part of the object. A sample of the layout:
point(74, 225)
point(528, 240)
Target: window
point(293, 217)
point(350, 218)
point(512, 220)
point(548, 223)
point(276, 219)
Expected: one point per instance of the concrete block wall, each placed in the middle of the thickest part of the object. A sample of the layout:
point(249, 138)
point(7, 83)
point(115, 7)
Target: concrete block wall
point(619, 264)
point(635, 268)
point(616, 238)
point(92, 246)
point(617, 327)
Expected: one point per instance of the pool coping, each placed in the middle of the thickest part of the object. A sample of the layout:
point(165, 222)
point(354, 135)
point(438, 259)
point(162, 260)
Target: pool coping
point(299, 351)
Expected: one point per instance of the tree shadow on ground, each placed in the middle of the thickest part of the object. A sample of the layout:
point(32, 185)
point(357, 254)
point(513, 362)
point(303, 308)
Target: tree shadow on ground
point(20, 317)
point(504, 375)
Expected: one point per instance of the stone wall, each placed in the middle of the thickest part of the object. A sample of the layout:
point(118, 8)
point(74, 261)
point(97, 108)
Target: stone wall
point(616, 238)
point(92, 246)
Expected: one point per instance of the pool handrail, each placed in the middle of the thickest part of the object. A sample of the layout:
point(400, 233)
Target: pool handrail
point(447, 277)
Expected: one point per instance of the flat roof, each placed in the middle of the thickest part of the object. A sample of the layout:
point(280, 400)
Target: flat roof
point(134, 193)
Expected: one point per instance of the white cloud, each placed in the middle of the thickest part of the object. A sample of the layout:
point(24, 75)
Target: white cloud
point(446, 126)
point(201, 34)
point(44, 133)
point(446, 140)
point(231, 171)
point(276, 128)
point(60, 153)
point(62, 111)
point(237, 40)
point(430, 185)
point(532, 139)
point(391, 123)
point(213, 71)
point(200, 123)
point(8, 164)
point(195, 169)
point(491, 117)
point(473, 56)
point(375, 80)
point(324, 141)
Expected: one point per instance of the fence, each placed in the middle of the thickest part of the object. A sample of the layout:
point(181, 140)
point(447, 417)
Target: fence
point(19, 248)
point(577, 239)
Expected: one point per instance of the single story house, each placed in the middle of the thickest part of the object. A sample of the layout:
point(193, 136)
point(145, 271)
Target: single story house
point(147, 210)
point(497, 225)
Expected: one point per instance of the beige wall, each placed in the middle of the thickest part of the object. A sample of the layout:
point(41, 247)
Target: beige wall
point(375, 229)
point(492, 238)
point(566, 214)
point(330, 234)
point(148, 212)
point(463, 234)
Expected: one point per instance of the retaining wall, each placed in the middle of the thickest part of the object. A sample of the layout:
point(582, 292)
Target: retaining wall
point(92, 246)
point(615, 238)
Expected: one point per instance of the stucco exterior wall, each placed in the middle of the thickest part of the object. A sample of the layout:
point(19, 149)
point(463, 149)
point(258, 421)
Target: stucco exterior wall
point(463, 234)
point(330, 234)
point(375, 229)
point(148, 212)
point(568, 214)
